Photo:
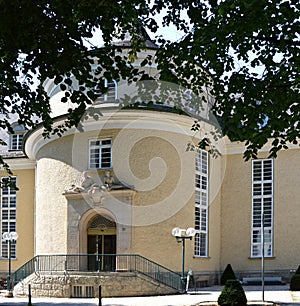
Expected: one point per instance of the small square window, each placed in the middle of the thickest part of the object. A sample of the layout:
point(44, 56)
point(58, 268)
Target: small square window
point(100, 154)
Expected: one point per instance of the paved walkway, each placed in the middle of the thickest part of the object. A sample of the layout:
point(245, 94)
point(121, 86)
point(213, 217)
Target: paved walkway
point(277, 294)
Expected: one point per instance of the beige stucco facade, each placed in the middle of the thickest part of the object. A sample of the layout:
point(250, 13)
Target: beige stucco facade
point(155, 174)
point(25, 174)
point(150, 156)
point(236, 213)
point(154, 162)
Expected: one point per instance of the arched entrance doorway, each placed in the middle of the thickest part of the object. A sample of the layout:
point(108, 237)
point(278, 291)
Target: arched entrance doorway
point(101, 243)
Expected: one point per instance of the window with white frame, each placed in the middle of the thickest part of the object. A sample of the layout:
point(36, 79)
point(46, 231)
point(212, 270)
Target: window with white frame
point(8, 215)
point(100, 153)
point(262, 208)
point(110, 91)
point(16, 139)
point(201, 204)
point(16, 142)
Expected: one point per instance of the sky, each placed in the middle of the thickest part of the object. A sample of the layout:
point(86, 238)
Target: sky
point(171, 32)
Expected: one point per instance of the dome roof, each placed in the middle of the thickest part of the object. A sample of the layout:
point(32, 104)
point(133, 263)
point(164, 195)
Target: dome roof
point(126, 42)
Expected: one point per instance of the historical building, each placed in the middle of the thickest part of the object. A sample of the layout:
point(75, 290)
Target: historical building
point(120, 185)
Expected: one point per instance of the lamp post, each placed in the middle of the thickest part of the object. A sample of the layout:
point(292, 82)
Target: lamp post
point(181, 235)
point(9, 237)
point(263, 255)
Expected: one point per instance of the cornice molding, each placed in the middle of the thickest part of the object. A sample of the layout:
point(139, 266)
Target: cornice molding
point(20, 163)
point(115, 118)
point(238, 147)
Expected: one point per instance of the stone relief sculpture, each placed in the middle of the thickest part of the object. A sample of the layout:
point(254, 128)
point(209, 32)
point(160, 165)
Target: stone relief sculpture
point(85, 184)
point(96, 193)
point(109, 182)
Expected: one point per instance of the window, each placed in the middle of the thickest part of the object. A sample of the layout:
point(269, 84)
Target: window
point(8, 216)
point(16, 142)
point(100, 154)
point(201, 204)
point(79, 291)
point(110, 93)
point(262, 208)
point(16, 139)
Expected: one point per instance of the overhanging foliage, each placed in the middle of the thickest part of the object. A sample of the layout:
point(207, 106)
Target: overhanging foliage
point(246, 51)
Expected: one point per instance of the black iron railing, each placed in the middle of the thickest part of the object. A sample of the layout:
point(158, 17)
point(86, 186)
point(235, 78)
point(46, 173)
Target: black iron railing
point(98, 263)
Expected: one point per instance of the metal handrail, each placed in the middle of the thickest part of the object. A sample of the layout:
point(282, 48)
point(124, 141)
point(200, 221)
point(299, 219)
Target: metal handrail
point(98, 263)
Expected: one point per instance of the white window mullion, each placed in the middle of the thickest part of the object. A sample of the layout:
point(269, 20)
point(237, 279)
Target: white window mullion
point(8, 216)
point(262, 206)
point(201, 204)
point(100, 154)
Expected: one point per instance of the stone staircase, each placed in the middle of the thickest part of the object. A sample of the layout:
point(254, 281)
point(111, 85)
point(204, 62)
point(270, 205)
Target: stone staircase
point(71, 276)
point(78, 285)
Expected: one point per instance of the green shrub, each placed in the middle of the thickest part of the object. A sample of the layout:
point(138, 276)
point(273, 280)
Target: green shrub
point(232, 294)
point(298, 270)
point(295, 282)
point(227, 274)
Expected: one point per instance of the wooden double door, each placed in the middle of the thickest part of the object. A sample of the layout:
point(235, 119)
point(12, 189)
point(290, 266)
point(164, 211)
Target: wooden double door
point(102, 250)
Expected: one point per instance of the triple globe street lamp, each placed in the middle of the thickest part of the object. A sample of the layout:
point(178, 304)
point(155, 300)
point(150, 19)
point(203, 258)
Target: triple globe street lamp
point(181, 235)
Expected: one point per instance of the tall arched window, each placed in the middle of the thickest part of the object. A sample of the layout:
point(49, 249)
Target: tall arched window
point(111, 92)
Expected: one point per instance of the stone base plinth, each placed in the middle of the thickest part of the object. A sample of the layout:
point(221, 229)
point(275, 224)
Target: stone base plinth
point(114, 284)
